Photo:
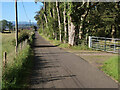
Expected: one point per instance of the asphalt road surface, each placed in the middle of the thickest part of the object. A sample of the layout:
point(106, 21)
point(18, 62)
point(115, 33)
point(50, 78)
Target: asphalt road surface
point(56, 68)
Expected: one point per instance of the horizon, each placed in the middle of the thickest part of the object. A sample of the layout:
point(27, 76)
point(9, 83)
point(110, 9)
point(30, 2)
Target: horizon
point(18, 21)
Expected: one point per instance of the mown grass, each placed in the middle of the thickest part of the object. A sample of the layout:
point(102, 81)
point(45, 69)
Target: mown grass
point(111, 67)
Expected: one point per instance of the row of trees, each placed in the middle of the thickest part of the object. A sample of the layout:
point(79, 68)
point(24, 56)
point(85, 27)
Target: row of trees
point(73, 22)
point(4, 24)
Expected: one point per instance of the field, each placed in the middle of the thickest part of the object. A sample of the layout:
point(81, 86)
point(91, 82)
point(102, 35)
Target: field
point(8, 47)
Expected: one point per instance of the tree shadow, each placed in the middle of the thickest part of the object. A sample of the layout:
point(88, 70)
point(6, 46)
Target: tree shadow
point(43, 46)
point(41, 64)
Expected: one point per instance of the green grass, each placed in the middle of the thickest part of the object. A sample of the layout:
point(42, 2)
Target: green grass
point(8, 47)
point(66, 45)
point(110, 67)
point(16, 75)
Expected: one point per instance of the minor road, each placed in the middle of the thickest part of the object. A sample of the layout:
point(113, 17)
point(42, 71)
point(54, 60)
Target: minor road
point(56, 68)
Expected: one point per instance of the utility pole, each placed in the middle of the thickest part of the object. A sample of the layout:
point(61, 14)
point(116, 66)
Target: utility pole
point(30, 23)
point(16, 26)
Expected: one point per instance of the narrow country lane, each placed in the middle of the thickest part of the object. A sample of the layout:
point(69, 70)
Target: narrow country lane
point(56, 68)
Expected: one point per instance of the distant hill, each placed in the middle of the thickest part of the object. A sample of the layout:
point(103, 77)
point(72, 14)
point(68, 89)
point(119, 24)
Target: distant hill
point(24, 23)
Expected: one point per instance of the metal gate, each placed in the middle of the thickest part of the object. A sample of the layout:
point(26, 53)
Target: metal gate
point(104, 44)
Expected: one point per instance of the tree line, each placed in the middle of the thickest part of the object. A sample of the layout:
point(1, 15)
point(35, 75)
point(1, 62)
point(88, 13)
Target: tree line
point(4, 24)
point(73, 22)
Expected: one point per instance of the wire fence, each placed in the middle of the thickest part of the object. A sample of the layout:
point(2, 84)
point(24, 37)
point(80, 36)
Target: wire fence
point(104, 44)
point(21, 46)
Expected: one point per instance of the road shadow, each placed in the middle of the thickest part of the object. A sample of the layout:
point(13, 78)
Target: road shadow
point(40, 65)
point(42, 46)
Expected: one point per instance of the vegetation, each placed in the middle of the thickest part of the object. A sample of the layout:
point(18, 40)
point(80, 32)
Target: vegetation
point(16, 75)
point(4, 24)
point(17, 70)
point(22, 37)
point(73, 22)
point(110, 67)
point(66, 45)
point(7, 45)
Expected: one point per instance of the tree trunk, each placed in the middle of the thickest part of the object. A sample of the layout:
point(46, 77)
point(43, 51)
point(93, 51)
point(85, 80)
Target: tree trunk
point(65, 29)
point(69, 27)
point(71, 31)
point(83, 18)
point(58, 12)
point(112, 33)
point(45, 15)
point(72, 34)
point(55, 34)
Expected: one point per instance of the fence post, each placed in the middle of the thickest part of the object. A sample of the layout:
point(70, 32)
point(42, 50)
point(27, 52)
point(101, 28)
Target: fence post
point(21, 46)
point(90, 42)
point(114, 46)
point(5, 58)
point(105, 45)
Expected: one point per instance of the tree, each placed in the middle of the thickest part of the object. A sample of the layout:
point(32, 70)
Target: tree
point(10, 26)
point(4, 24)
point(75, 21)
point(59, 22)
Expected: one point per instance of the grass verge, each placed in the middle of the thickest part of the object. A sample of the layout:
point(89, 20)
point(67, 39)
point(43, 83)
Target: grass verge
point(110, 67)
point(65, 45)
point(17, 75)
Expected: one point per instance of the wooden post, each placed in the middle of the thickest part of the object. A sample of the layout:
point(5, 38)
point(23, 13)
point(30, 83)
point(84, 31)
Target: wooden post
point(5, 59)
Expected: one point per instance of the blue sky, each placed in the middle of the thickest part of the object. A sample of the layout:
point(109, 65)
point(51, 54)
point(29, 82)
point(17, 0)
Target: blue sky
point(8, 11)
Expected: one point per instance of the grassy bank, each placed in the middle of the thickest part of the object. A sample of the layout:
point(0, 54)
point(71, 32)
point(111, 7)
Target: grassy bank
point(16, 74)
point(111, 67)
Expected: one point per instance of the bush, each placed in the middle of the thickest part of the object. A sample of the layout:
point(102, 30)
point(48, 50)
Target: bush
point(22, 36)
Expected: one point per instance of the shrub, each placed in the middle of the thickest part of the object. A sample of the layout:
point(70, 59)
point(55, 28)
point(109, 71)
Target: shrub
point(22, 37)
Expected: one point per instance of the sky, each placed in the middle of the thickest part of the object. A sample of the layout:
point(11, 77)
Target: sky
point(8, 11)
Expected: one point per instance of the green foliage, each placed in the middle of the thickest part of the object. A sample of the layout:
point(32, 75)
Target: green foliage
point(30, 40)
point(21, 37)
point(5, 24)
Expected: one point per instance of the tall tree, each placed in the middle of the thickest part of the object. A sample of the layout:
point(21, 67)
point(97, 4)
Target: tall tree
point(65, 28)
point(59, 22)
